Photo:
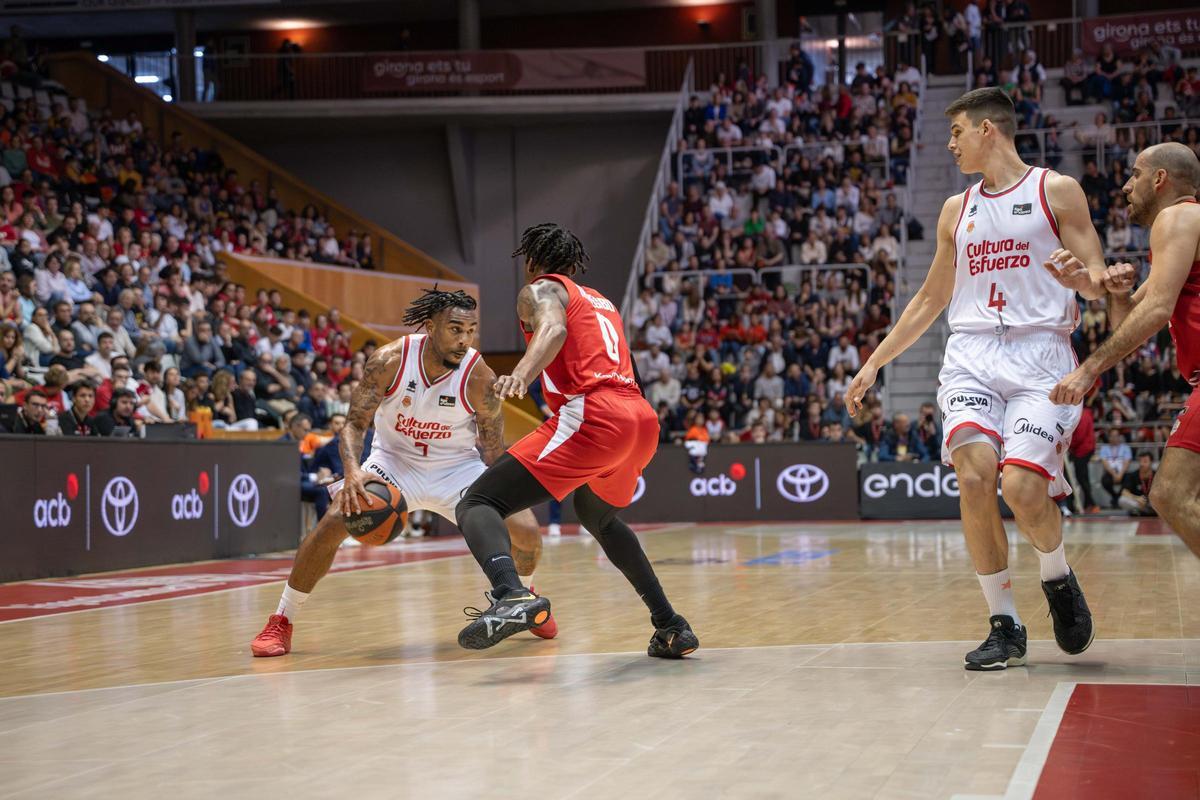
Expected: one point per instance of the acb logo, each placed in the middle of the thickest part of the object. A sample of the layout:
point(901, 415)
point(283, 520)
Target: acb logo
point(719, 486)
point(190, 505)
point(55, 512)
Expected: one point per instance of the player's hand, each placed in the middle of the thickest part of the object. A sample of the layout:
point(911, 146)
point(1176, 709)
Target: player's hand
point(1068, 270)
point(352, 496)
point(507, 386)
point(1119, 278)
point(863, 381)
point(1071, 390)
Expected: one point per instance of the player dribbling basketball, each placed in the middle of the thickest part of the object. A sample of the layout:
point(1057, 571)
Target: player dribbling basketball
point(438, 424)
point(1012, 310)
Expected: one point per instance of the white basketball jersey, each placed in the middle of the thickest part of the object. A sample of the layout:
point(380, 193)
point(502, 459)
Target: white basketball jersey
point(1001, 241)
point(422, 421)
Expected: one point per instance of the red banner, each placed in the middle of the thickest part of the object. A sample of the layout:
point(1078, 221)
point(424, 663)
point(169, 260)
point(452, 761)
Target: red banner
point(498, 69)
point(1131, 33)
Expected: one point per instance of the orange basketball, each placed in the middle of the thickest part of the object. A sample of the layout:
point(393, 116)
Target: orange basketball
point(383, 515)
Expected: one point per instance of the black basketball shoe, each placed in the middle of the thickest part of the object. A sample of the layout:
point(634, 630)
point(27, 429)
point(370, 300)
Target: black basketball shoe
point(676, 640)
point(519, 610)
point(1072, 618)
point(1004, 647)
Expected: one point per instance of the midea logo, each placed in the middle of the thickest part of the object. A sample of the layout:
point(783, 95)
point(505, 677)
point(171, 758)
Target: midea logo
point(243, 500)
point(119, 506)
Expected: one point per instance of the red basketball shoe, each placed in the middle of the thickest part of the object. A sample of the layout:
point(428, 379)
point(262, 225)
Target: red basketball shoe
point(275, 639)
point(548, 629)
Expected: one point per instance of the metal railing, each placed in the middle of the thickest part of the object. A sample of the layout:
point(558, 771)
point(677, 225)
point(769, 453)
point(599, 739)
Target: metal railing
point(662, 179)
point(778, 158)
point(340, 76)
point(1124, 136)
point(793, 274)
point(1054, 40)
point(685, 160)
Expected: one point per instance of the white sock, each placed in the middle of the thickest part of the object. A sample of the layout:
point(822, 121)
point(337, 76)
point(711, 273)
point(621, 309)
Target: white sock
point(997, 589)
point(289, 604)
point(1053, 565)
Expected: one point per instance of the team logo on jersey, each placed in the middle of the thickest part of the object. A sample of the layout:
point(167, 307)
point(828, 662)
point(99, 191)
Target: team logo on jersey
point(406, 401)
point(976, 402)
point(970, 226)
point(971, 213)
point(446, 401)
point(1021, 209)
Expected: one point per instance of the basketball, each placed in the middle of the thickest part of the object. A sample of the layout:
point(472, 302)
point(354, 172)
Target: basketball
point(383, 517)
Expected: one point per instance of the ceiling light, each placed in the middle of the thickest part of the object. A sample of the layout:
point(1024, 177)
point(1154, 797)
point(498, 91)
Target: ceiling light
point(103, 59)
point(145, 79)
point(289, 24)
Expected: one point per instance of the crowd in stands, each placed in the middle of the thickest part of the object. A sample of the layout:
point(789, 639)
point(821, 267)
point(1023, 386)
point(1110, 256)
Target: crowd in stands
point(109, 276)
point(115, 311)
point(800, 192)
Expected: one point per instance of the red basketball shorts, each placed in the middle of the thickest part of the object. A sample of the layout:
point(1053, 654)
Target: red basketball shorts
point(603, 439)
point(1185, 432)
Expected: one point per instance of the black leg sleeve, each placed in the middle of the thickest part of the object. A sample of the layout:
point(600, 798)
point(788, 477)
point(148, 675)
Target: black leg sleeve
point(501, 491)
point(624, 551)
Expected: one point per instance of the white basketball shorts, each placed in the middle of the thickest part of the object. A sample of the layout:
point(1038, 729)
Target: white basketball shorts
point(435, 487)
point(996, 388)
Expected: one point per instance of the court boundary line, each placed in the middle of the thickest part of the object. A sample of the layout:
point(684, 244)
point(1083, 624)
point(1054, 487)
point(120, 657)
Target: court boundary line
point(1024, 780)
point(450, 662)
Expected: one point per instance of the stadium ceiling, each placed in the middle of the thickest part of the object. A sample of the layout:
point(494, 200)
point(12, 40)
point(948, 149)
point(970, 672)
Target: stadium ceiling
point(58, 19)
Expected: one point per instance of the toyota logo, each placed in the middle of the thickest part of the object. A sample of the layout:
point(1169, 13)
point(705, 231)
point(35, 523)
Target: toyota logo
point(243, 500)
point(119, 506)
point(802, 483)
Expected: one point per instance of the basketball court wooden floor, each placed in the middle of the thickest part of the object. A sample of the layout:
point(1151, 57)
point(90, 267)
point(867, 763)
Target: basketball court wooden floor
point(831, 667)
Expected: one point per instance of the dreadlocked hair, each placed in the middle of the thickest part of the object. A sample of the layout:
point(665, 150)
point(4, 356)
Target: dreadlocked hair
point(553, 247)
point(434, 301)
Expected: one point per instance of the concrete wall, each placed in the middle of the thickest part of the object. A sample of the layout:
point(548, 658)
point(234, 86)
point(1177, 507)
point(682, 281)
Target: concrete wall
point(592, 175)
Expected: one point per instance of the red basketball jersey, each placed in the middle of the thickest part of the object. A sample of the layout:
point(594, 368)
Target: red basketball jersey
point(1185, 327)
point(595, 354)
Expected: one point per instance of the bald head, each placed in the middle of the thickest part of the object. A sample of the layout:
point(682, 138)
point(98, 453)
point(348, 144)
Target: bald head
point(1178, 161)
point(1162, 174)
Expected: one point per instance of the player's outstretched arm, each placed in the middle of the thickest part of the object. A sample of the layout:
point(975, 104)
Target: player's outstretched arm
point(543, 307)
point(489, 412)
point(1079, 265)
point(929, 302)
point(1173, 240)
point(378, 372)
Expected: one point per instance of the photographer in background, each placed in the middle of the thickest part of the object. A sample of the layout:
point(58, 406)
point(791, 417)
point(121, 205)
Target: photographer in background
point(119, 420)
point(1135, 488)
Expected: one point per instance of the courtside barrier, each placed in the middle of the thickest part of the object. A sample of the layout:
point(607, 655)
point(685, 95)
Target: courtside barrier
point(743, 483)
point(85, 505)
point(910, 491)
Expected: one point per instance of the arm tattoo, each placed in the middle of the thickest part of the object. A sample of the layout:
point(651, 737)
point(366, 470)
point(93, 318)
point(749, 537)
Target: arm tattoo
point(525, 305)
point(489, 419)
point(363, 404)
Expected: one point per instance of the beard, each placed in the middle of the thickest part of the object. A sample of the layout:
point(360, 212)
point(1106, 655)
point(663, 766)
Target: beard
point(1138, 212)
